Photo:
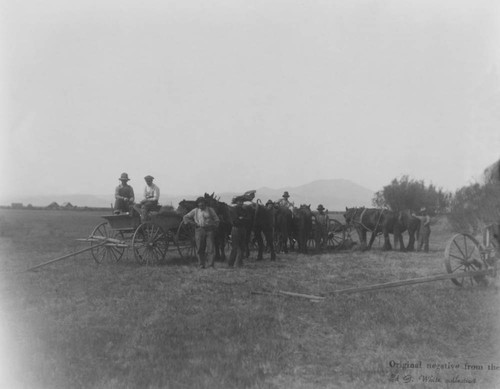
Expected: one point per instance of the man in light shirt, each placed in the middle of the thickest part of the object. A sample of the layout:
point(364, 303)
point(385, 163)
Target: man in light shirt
point(206, 222)
point(151, 197)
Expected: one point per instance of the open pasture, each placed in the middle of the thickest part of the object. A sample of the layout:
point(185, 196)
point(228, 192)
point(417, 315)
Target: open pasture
point(76, 324)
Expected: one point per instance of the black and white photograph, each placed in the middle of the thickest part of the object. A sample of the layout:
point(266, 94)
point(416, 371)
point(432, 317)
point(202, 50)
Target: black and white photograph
point(230, 194)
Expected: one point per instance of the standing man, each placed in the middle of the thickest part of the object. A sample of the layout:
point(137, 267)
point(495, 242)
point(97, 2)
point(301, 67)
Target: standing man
point(321, 232)
point(239, 222)
point(124, 196)
point(425, 229)
point(206, 222)
point(151, 197)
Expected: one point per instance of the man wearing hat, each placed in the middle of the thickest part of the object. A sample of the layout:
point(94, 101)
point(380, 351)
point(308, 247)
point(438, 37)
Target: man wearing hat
point(321, 230)
point(206, 222)
point(240, 221)
point(124, 195)
point(425, 230)
point(151, 197)
point(285, 202)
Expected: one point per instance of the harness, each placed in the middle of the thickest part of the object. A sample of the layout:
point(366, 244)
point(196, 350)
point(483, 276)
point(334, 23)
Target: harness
point(360, 222)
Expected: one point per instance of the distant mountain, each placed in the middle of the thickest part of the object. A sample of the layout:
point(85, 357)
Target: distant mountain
point(334, 194)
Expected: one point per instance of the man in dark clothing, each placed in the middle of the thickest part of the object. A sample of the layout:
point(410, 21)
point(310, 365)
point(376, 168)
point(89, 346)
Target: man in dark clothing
point(238, 234)
point(124, 196)
point(425, 230)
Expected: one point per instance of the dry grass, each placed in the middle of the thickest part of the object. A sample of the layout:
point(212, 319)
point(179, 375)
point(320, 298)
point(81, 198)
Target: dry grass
point(75, 324)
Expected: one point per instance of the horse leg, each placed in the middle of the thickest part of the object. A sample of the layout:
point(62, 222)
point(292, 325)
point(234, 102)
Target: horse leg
point(260, 244)
point(269, 238)
point(387, 242)
point(372, 239)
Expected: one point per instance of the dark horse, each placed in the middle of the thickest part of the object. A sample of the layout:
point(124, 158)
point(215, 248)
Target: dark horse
point(283, 228)
point(303, 224)
point(260, 222)
point(383, 221)
point(263, 224)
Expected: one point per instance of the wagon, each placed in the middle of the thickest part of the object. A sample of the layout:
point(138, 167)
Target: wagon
point(337, 234)
point(470, 260)
point(150, 241)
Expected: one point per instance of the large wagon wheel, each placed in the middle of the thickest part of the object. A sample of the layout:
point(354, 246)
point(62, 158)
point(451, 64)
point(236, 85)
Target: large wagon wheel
point(150, 243)
point(185, 241)
point(336, 234)
point(111, 251)
point(463, 254)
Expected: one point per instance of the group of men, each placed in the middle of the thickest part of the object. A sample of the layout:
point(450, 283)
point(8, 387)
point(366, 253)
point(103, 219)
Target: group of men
point(125, 198)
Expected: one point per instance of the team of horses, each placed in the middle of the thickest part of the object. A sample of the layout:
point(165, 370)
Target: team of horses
point(277, 229)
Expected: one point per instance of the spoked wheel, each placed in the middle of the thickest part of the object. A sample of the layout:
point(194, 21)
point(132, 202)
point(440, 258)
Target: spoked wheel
point(112, 250)
point(185, 241)
point(336, 234)
point(150, 244)
point(463, 254)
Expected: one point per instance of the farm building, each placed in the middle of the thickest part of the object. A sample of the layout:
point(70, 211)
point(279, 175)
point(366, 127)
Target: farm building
point(53, 205)
point(67, 205)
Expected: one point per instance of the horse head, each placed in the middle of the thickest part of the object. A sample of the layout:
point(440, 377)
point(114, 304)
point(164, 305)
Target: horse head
point(351, 213)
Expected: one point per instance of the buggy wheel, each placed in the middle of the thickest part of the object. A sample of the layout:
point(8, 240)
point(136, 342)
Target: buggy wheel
point(110, 251)
point(185, 241)
point(150, 244)
point(463, 254)
point(336, 234)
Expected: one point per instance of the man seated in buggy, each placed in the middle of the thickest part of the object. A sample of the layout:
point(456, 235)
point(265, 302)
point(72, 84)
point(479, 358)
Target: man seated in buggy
point(150, 201)
point(124, 196)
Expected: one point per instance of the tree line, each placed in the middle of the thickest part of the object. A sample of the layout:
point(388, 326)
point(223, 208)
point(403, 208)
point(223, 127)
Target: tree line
point(469, 209)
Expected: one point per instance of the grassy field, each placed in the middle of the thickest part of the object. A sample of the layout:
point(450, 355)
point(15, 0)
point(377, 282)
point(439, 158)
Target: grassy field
point(76, 324)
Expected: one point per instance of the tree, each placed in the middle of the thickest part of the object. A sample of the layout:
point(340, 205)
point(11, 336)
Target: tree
point(475, 206)
point(409, 194)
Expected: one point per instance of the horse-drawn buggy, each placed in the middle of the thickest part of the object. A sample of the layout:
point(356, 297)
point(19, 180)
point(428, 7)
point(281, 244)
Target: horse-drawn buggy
point(164, 233)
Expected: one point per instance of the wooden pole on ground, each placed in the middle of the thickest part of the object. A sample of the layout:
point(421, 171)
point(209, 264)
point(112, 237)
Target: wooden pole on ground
point(66, 256)
point(414, 281)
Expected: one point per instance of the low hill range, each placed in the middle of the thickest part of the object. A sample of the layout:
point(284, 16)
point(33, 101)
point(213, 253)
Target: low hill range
point(334, 194)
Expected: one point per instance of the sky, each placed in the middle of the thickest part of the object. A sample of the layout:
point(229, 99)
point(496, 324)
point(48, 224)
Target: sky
point(232, 95)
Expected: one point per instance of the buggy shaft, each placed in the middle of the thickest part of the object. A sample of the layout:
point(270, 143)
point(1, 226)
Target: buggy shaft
point(67, 256)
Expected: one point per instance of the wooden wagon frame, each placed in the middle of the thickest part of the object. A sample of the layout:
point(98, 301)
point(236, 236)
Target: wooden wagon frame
point(151, 241)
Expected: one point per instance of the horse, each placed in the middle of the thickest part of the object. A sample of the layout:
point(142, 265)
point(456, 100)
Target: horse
point(223, 231)
point(382, 221)
point(261, 222)
point(283, 228)
point(303, 223)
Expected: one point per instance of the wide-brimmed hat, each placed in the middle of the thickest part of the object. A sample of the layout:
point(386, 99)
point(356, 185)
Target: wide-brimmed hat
point(285, 194)
point(320, 207)
point(148, 177)
point(124, 177)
